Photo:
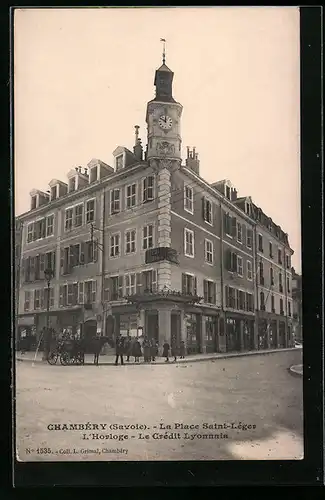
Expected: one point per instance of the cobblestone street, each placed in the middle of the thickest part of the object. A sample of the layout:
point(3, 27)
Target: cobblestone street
point(254, 391)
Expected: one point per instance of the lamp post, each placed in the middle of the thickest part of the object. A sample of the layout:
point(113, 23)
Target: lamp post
point(49, 274)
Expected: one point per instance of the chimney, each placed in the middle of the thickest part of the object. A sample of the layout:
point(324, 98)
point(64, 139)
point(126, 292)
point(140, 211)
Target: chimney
point(192, 161)
point(79, 170)
point(137, 148)
point(76, 169)
point(85, 171)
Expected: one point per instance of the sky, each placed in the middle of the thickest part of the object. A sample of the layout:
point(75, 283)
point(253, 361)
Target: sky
point(83, 77)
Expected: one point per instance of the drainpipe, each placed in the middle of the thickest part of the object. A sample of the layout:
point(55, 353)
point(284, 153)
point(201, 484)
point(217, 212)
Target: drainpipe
point(256, 266)
point(103, 263)
point(223, 313)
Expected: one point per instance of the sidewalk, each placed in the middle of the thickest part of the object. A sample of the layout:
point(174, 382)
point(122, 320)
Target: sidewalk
point(110, 359)
point(297, 370)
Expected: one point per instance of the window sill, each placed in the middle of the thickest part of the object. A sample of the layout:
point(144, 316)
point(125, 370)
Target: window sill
point(190, 256)
point(189, 211)
point(209, 223)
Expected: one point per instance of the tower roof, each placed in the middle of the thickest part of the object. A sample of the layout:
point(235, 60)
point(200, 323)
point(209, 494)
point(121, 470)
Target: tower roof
point(163, 67)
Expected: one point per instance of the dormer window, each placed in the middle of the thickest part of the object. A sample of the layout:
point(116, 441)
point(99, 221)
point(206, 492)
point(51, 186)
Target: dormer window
point(34, 202)
point(119, 162)
point(228, 192)
point(54, 192)
point(93, 174)
point(72, 184)
point(248, 208)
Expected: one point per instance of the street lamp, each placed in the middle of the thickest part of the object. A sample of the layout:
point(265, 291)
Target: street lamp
point(48, 274)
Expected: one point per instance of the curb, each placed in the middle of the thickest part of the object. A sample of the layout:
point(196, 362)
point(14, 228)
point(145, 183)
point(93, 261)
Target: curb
point(179, 361)
point(296, 370)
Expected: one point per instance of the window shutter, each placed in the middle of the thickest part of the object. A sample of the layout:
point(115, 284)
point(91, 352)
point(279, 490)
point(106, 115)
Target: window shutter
point(66, 269)
point(106, 289)
point(154, 280)
point(214, 296)
point(234, 226)
point(183, 283)
point(95, 250)
point(43, 298)
point(62, 260)
point(120, 286)
point(53, 261)
point(227, 295)
point(23, 269)
point(32, 268)
point(225, 223)
point(138, 283)
point(203, 208)
point(75, 294)
point(234, 262)
point(81, 292)
point(82, 253)
point(43, 228)
point(35, 299)
point(205, 289)
point(195, 285)
point(228, 260)
point(72, 256)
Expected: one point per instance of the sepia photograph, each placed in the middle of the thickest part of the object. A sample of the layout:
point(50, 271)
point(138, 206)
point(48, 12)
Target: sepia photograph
point(157, 259)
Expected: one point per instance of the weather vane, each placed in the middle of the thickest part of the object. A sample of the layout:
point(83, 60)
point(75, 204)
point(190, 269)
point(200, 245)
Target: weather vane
point(164, 49)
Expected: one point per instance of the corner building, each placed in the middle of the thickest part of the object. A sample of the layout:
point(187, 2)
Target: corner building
point(149, 243)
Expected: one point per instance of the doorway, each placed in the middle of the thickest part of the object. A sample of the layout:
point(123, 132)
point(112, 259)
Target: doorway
point(89, 332)
point(152, 326)
point(175, 328)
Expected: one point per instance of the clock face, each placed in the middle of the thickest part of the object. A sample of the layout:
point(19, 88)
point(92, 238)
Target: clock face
point(165, 122)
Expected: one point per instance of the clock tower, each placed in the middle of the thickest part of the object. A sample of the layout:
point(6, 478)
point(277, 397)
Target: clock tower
point(163, 118)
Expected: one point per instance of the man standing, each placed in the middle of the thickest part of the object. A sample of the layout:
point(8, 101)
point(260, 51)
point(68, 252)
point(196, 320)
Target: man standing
point(97, 346)
point(119, 349)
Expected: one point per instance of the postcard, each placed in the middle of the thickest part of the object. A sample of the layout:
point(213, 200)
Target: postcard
point(157, 240)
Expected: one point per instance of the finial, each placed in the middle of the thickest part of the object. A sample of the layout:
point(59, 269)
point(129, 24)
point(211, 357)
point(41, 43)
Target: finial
point(164, 49)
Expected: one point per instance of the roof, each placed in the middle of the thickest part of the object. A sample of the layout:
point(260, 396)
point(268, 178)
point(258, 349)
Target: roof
point(163, 67)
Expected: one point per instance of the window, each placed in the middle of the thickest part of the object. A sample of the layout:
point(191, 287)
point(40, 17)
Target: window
point(68, 219)
point(260, 243)
point(147, 187)
point(249, 270)
point(130, 284)
point(30, 230)
point(272, 304)
point(130, 239)
point(27, 301)
point(262, 301)
point(33, 202)
point(93, 174)
point(228, 193)
point(189, 284)
point(188, 199)
point(119, 162)
point(239, 232)
point(115, 201)
point(230, 297)
point(249, 302)
point(116, 287)
point(147, 237)
point(289, 308)
point(78, 215)
point(271, 276)
point(131, 196)
point(288, 284)
point(49, 225)
point(261, 273)
point(248, 208)
point(209, 292)
point(37, 297)
point(115, 245)
point(188, 242)
point(53, 192)
point(44, 298)
point(281, 306)
point(271, 250)
point(91, 251)
point(90, 289)
point(279, 256)
point(207, 210)
point(230, 225)
point(90, 211)
point(280, 283)
point(231, 261)
point(288, 261)
point(249, 238)
point(150, 280)
point(239, 265)
point(80, 292)
point(208, 251)
point(72, 184)
point(241, 300)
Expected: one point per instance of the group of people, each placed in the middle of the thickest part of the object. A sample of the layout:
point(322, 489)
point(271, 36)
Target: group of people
point(148, 348)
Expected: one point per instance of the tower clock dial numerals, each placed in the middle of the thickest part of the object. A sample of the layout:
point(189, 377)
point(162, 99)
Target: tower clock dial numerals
point(165, 122)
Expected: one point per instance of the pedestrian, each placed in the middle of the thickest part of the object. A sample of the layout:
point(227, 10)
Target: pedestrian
point(146, 350)
point(136, 352)
point(119, 349)
point(154, 349)
point(174, 350)
point(166, 351)
point(182, 350)
point(97, 347)
point(128, 347)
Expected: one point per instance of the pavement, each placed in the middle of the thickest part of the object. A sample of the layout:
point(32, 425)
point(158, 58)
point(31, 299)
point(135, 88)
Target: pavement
point(233, 408)
point(110, 359)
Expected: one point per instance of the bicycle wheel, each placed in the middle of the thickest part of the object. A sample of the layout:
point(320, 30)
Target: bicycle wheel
point(65, 358)
point(52, 359)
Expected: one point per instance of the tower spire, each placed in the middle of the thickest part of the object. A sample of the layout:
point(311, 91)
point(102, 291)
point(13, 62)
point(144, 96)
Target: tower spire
point(164, 50)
